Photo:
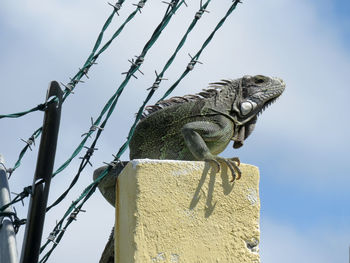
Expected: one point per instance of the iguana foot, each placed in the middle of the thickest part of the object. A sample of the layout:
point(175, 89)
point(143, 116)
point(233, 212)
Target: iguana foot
point(232, 164)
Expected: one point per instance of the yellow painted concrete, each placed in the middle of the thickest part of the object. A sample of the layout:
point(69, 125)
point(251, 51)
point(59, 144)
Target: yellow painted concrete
point(180, 211)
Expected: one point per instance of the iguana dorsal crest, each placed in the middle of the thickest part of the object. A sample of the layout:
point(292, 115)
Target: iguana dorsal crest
point(213, 90)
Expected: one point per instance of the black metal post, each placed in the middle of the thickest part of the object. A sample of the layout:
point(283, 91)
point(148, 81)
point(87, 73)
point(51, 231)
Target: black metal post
point(43, 174)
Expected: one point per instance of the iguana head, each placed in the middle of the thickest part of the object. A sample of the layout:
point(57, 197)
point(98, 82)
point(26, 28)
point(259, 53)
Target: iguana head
point(253, 95)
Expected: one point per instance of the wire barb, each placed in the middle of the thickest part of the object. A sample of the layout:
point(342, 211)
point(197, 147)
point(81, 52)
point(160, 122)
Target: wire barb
point(117, 6)
point(74, 214)
point(115, 162)
point(93, 61)
point(92, 128)
point(128, 73)
point(157, 82)
point(76, 81)
point(192, 63)
point(88, 161)
point(172, 3)
point(89, 153)
point(201, 11)
point(85, 71)
point(25, 193)
point(135, 63)
point(139, 60)
point(52, 236)
point(90, 150)
point(140, 5)
point(16, 194)
point(29, 142)
point(68, 87)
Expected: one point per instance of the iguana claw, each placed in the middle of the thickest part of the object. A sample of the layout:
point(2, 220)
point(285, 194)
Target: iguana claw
point(215, 162)
point(231, 164)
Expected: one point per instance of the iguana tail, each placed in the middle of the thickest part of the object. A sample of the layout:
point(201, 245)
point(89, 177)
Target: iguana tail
point(108, 252)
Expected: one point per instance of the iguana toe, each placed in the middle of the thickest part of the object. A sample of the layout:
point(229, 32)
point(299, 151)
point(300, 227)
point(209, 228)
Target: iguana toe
point(232, 164)
point(236, 159)
point(215, 162)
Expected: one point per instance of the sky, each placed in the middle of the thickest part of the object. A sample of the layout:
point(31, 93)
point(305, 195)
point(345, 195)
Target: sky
point(300, 143)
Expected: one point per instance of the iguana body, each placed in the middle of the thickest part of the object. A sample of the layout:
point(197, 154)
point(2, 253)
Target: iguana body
point(198, 127)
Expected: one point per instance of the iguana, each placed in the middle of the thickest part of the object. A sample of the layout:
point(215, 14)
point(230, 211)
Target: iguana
point(198, 127)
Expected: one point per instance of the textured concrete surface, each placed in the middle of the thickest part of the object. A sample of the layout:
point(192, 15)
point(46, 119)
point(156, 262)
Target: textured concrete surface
point(180, 211)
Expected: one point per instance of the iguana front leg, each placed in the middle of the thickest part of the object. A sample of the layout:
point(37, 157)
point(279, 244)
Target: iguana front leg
point(205, 139)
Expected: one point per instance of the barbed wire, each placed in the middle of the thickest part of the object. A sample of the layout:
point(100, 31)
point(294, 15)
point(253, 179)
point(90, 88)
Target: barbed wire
point(194, 59)
point(40, 107)
point(91, 60)
point(94, 125)
point(29, 142)
point(27, 190)
point(76, 207)
point(86, 158)
point(110, 105)
point(88, 63)
point(84, 162)
point(95, 54)
point(57, 234)
point(109, 108)
point(159, 77)
point(74, 210)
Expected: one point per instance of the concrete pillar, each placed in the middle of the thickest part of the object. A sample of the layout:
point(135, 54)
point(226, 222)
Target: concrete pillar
point(181, 211)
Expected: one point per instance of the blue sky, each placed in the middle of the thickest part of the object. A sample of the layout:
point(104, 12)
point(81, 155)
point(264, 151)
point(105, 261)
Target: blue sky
point(300, 143)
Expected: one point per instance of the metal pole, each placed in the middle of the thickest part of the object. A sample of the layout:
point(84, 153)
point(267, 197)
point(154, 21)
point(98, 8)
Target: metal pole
point(8, 246)
point(43, 174)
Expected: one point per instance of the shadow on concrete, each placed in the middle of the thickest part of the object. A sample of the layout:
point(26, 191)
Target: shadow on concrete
point(227, 187)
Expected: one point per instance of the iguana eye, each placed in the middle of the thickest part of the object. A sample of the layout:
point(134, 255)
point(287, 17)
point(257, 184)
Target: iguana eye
point(259, 79)
point(247, 107)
